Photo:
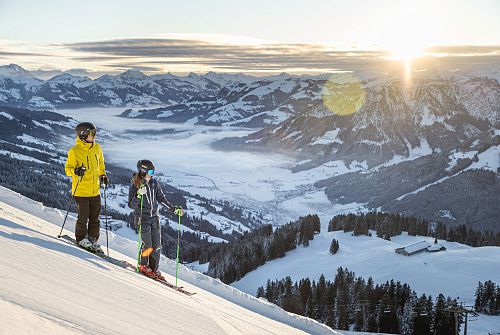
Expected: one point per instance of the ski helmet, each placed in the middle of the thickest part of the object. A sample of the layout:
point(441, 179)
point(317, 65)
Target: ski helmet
point(145, 166)
point(84, 129)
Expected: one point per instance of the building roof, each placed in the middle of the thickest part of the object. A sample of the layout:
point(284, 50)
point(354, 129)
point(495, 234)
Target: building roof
point(411, 248)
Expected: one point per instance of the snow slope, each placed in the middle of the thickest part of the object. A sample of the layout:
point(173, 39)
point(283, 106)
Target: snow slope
point(454, 272)
point(52, 287)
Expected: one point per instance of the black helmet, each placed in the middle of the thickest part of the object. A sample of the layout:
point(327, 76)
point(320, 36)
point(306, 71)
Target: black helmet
point(145, 166)
point(84, 129)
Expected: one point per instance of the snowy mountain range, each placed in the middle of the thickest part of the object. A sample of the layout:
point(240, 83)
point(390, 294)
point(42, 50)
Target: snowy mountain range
point(433, 147)
point(249, 102)
point(435, 114)
point(210, 99)
point(428, 150)
point(21, 88)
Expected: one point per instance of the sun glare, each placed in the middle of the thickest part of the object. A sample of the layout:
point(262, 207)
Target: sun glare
point(405, 38)
point(406, 52)
point(343, 94)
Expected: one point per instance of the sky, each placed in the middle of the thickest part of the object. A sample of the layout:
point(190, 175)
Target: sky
point(259, 36)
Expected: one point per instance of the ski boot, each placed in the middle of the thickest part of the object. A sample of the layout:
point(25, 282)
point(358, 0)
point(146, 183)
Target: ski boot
point(95, 247)
point(85, 244)
point(147, 271)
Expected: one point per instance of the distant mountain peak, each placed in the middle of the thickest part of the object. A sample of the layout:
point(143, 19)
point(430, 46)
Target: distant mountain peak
point(193, 75)
point(67, 78)
point(14, 67)
point(14, 71)
point(45, 74)
point(133, 74)
point(78, 72)
point(62, 76)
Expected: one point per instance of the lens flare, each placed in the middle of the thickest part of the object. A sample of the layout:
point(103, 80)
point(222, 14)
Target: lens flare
point(343, 94)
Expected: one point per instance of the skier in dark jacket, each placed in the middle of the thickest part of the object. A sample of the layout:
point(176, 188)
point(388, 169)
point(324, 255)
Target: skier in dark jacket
point(145, 192)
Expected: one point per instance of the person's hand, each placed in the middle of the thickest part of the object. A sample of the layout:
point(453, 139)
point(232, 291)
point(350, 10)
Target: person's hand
point(80, 171)
point(141, 191)
point(104, 179)
point(178, 211)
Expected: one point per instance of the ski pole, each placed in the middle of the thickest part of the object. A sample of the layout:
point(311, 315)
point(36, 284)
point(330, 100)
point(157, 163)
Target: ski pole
point(69, 206)
point(139, 239)
point(178, 243)
point(106, 217)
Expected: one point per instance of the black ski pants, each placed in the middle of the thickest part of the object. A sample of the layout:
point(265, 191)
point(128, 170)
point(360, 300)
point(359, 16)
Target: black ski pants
point(151, 241)
point(88, 213)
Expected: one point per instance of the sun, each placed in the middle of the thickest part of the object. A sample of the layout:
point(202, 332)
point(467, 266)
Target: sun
point(405, 51)
point(404, 37)
point(405, 40)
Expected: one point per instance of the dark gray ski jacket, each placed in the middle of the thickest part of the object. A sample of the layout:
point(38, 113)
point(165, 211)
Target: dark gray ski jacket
point(154, 196)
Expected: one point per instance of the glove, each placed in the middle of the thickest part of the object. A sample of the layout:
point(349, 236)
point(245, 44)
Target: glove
point(141, 191)
point(178, 211)
point(104, 179)
point(80, 171)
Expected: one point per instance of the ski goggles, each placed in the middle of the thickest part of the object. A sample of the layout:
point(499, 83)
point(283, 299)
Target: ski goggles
point(144, 170)
point(88, 132)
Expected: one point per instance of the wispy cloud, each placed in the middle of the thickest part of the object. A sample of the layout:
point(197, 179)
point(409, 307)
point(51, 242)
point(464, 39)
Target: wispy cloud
point(5, 54)
point(160, 54)
point(218, 56)
point(466, 50)
point(201, 54)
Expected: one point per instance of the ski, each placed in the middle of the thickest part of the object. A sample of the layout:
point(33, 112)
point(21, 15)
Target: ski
point(172, 286)
point(162, 281)
point(179, 289)
point(102, 255)
point(127, 265)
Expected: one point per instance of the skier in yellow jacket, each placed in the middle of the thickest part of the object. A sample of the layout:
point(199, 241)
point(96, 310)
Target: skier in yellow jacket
point(85, 165)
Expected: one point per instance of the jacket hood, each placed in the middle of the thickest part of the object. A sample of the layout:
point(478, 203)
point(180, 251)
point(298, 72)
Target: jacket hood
point(84, 144)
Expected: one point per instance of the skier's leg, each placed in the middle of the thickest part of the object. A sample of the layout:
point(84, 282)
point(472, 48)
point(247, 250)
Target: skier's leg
point(94, 210)
point(146, 241)
point(83, 205)
point(154, 258)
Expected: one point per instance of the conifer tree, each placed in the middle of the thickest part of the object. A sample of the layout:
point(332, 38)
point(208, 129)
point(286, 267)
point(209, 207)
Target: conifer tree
point(334, 247)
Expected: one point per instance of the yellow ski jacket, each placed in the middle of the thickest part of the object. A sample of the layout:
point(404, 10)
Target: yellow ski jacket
point(89, 155)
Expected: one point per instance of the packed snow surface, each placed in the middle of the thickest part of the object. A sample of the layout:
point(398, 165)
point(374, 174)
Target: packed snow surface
point(52, 287)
